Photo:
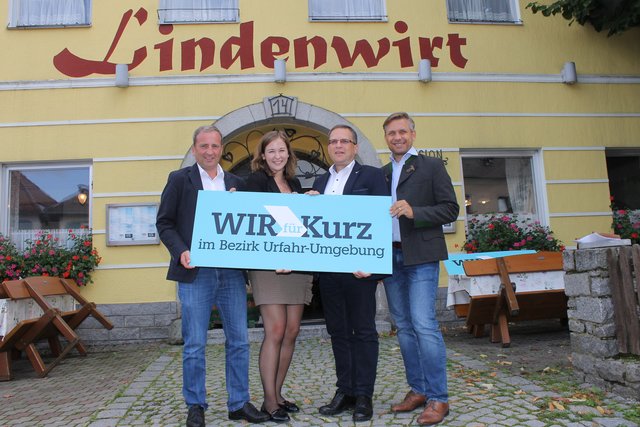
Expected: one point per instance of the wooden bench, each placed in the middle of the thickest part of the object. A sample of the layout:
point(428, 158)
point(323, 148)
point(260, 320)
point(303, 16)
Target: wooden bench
point(508, 304)
point(50, 326)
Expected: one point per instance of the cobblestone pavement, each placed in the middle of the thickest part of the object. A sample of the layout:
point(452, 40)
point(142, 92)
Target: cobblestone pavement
point(529, 384)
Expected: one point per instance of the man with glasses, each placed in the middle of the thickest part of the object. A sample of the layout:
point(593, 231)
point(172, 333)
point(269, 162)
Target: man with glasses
point(423, 200)
point(349, 300)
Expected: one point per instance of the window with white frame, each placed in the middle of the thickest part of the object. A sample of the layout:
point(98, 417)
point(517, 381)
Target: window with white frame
point(45, 197)
point(483, 11)
point(198, 11)
point(49, 13)
point(347, 10)
point(501, 183)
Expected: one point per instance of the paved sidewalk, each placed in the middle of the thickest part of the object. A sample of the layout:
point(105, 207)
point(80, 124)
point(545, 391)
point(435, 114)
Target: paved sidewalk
point(527, 384)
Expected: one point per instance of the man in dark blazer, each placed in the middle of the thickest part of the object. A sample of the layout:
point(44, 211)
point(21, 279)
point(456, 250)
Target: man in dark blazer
point(348, 300)
point(423, 200)
point(199, 288)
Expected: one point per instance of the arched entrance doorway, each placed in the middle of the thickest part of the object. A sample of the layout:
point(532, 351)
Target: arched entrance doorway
point(307, 127)
point(307, 124)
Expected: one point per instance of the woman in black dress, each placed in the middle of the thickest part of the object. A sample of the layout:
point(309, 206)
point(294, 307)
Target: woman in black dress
point(281, 295)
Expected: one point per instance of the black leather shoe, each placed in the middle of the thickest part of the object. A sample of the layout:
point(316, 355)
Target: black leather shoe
point(289, 406)
point(250, 413)
point(278, 415)
point(338, 404)
point(363, 410)
point(195, 418)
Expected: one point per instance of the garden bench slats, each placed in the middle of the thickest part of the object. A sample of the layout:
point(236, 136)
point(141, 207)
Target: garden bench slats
point(508, 304)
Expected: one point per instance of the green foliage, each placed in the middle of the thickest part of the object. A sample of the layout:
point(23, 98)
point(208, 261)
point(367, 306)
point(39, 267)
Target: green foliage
point(46, 256)
point(613, 16)
point(626, 223)
point(508, 233)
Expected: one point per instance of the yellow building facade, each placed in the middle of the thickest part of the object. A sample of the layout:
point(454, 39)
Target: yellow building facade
point(113, 91)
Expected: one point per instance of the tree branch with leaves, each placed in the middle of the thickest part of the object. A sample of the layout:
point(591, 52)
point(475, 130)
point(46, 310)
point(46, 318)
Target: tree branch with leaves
point(613, 16)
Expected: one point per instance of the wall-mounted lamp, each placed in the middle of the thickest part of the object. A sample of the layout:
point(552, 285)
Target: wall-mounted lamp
point(122, 75)
point(82, 197)
point(569, 75)
point(280, 70)
point(424, 71)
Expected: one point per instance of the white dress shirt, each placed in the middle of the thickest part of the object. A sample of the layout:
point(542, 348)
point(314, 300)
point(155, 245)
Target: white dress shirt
point(337, 180)
point(395, 177)
point(212, 184)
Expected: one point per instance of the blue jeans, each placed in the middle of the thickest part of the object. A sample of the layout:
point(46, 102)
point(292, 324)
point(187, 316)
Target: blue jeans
point(226, 289)
point(411, 295)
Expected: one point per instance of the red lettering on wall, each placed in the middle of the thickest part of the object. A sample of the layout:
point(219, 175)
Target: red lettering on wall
point(426, 49)
point(73, 66)
point(403, 45)
point(207, 51)
point(244, 44)
point(302, 54)
point(166, 54)
point(362, 48)
point(239, 50)
point(267, 52)
point(455, 53)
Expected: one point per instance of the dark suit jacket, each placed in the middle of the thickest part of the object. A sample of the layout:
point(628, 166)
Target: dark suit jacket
point(260, 182)
point(425, 184)
point(364, 180)
point(176, 215)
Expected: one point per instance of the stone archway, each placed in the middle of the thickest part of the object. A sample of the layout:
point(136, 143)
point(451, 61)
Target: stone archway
point(282, 110)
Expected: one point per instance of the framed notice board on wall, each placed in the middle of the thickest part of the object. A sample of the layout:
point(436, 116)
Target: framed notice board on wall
point(132, 224)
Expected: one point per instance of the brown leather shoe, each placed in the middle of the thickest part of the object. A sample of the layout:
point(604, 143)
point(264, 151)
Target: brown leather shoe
point(434, 413)
point(411, 401)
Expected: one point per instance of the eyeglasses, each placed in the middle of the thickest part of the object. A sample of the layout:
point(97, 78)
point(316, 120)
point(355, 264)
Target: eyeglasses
point(343, 141)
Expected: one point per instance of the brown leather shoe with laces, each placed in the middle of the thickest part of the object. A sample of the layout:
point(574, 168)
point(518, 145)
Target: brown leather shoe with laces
point(434, 413)
point(411, 401)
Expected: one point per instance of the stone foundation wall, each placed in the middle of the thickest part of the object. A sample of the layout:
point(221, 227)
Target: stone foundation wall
point(132, 323)
point(135, 323)
point(594, 346)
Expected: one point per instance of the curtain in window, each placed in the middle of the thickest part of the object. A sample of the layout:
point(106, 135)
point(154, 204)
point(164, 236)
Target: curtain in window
point(482, 10)
point(347, 9)
point(520, 185)
point(49, 12)
point(198, 10)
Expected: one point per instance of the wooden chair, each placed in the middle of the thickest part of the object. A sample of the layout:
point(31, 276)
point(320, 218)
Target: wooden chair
point(508, 304)
point(51, 325)
point(25, 335)
point(59, 286)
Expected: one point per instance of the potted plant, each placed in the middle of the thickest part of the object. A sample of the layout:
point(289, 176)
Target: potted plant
point(509, 233)
point(45, 255)
point(626, 223)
